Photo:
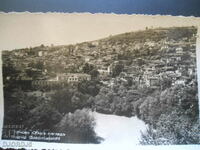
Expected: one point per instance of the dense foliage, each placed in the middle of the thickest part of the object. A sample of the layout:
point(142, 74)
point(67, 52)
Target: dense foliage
point(62, 112)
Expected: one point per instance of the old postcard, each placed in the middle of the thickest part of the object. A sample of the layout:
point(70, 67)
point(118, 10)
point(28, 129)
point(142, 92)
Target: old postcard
point(99, 78)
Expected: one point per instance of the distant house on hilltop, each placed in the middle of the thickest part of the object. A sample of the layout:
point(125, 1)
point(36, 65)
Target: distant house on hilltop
point(42, 52)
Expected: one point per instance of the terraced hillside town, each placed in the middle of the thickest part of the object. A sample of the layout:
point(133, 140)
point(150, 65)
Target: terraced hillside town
point(150, 74)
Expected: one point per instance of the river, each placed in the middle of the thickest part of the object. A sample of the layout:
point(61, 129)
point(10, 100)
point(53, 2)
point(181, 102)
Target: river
point(119, 129)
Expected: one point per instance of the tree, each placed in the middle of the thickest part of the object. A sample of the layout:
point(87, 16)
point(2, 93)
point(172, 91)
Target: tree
point(10, 73)
point(89, 87)
point(117, 70)
point(61, 101)
point(87, 68)
point(165, 83)
point(18, 106)
point(43, 117)
point(80, 100)
point(79, 127)
point(94, 73)
point(39, 65)
point(173, 127)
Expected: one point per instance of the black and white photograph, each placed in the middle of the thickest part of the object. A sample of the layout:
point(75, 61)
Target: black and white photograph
point(100, 84)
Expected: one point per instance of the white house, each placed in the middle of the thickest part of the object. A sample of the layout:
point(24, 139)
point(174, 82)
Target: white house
point(73, 77)
point(105, 71)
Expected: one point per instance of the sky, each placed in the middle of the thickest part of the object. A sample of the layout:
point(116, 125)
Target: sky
point(170, 7)
point(21, 30)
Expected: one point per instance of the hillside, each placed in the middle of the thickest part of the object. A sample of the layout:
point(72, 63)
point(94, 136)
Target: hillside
point(151, 44)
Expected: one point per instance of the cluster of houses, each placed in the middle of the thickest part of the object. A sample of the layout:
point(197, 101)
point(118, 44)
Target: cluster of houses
point(104, 55)
point(171, 67)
